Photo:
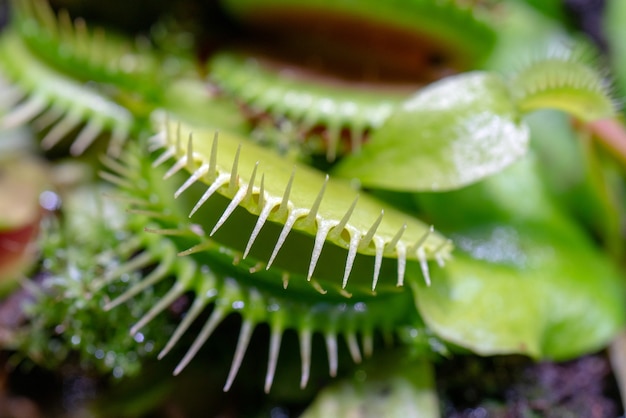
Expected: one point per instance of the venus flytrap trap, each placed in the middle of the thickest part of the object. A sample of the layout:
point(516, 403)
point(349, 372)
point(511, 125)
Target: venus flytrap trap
point(303, 245)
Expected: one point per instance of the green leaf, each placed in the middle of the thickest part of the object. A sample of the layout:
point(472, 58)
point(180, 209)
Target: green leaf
point(525, 279)
point(391, 386)
point(615, 30)
point(450, 134)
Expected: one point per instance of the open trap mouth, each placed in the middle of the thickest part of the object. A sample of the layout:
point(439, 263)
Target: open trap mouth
point(336, 72)
point(375, 45)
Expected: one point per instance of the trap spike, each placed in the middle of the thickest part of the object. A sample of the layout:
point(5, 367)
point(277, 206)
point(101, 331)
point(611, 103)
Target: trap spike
point(24, 112)
point(167, 154)
point(118, 138)
point(242, 345)
point(190, 154)
point(170, 297)
point(333, 357)
point(213, 157)
point(284, 204)
point(66, 28)
point(141, 260)
point(305, 356)
point(261, 202)
point(334, 134)
point(86, 136)
point(401, 251)
point(46, 15)
point(195, 176)
point(352, 250)
point(353, 347)
point(367, 238)
point(61, 129)
point(275, 341)
point(221, 180)
point(156, 275)
point(214, 320)
point(265, 212)
point(283, 234)
point(311, 216)
point(378, 261)
point(394, 241)
point(239, 196)
point(250, 187)
point(117, 167)
point(368, 343)
point(421, 256)
point(234, 179)
point(196, 309)
point(176, 167)
point(415, 247)
point(338, 229)
point(320, 239)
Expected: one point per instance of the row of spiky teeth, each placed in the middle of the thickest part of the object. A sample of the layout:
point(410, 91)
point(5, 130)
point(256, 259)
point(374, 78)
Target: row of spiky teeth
point(164, 256)
point(281, 209)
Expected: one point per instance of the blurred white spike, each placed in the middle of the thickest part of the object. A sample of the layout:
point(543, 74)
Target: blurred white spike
point(368, 344)
point(157, 274)
point(197, 175)
point(234, 177)
point(320, 239)
point(355, 238)
point(119, 135)
point(356, 138)
point(394, 241)
point(283, 234)
point(421, 256)
point(24, 112)
point(250, 187)
point(213, 157)
point(66, 28)
point(167, 154)
point(353, 347)
point(284, 204)
point(242, 345)
point(338, 229)
point(239, 196)
point(86, 136)
point(305, 355)
point(367, 238)
point(378, 260)
point(178, 165)
point(275, 340)
point(333, 133)
point(265, 212)
point(208, 328)
point(333, 358)
point(311, 216)
point(70, 121)
point(141, 260)
point(190, 157)
point(401, 252)
point(47, 118)
point(219, 182)
point(170, 297)
point(439, 249)
point(196, 309)
point(415, 247)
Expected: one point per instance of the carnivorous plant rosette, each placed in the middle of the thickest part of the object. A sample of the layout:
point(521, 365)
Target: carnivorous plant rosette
point(301, 177)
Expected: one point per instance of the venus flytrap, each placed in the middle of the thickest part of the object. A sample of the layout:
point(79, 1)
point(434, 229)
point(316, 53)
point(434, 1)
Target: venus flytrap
point(299, 242)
